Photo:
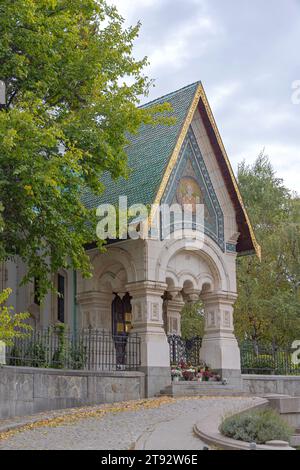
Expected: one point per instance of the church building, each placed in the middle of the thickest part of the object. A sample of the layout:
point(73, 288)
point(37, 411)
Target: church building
point(139, 286)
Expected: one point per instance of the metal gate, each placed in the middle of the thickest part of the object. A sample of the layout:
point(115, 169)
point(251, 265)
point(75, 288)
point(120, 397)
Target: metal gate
point(186, 350)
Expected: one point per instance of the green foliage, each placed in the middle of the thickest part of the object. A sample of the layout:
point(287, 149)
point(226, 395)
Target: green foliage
point(16, 357)
point(192, 320)
point(61, 354)
point(36, 355)
point(37, 351)
point(68, 354)
point(78, 355)
point(256, 426)
point(264, 362)
point(268, 307)
point(12, 325)
point(73, 87)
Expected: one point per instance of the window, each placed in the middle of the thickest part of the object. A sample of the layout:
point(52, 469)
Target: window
point(60, 298)
point(36, 291)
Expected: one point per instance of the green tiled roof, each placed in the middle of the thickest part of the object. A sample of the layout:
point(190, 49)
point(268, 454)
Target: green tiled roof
point(148, 155)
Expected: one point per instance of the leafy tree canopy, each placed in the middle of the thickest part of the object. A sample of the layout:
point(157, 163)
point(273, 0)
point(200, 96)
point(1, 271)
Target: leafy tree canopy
point(12, 325)
point(268, 307)
point(192, 320)
point(73, 87)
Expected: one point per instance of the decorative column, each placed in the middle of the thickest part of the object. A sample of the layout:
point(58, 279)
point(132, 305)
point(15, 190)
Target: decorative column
point(219, 346)
point(147, 322)
point(95, 310)
point(174, 308)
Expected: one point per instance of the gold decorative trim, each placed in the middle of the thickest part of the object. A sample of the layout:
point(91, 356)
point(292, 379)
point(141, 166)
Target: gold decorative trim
point(200, 94)
point(212, 120)
point(180, 140)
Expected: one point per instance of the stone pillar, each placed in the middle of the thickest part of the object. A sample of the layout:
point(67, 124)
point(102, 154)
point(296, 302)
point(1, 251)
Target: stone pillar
point(219, 346)
point(174, 307)
point(147, 322)
point(95, 310)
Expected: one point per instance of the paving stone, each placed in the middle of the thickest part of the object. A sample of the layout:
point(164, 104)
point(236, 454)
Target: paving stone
point(121, 430)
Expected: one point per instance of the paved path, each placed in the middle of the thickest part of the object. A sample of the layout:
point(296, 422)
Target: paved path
point(165, 427)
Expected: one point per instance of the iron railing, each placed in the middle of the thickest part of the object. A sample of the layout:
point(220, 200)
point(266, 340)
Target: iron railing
point(267, 360)
point(186, 350)
point(89, 349)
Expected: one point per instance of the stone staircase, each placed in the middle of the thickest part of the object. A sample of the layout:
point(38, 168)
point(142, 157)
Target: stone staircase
point(199, 389)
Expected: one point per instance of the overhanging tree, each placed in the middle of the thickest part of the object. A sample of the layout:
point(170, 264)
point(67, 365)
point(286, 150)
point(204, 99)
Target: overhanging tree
point(73, 87)
point(268, 308)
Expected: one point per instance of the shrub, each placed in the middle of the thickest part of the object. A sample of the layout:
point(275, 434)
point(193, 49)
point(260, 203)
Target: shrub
point(263, 362)
point(257, 426)
point(15, 357)
point(36, 355)
point(78, 356)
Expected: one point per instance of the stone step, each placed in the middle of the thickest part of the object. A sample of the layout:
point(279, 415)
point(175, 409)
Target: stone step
point(179, 389)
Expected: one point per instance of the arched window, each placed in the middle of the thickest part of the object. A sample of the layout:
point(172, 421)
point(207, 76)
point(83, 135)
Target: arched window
point(61, 303)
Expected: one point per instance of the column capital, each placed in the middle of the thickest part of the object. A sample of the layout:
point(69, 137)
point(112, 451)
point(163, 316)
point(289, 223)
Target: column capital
point(193, 294)
point(146, 287)
point(175, 294)
point(228, 298)
point(93, 298)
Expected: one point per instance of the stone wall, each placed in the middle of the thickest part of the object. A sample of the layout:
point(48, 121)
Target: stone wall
point(25, 390)
point(261, 385)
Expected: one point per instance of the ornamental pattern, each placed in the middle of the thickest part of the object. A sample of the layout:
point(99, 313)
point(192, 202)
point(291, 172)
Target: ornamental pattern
point(190, 166)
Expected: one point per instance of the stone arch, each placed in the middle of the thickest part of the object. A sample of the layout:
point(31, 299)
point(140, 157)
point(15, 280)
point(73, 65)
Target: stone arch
point(215, 276)
point(109, 267)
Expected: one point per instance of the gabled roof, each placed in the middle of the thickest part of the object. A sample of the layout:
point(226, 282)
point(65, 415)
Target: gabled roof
point(148, 154)
point(153, 152)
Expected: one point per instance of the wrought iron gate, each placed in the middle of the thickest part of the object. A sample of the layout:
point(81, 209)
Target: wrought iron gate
point(186, 350)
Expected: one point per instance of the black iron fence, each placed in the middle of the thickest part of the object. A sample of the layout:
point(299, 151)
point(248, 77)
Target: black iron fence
point(89, 349)
point(262, 359)
point(266, 360)
point(186, 350)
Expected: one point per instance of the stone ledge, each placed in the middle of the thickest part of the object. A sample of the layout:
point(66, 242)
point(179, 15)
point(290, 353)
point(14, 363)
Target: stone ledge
point(278, 378)
point(210, 434)
point(69, 372)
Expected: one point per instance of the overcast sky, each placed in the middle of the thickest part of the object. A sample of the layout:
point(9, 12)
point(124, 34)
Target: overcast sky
point(247, 54)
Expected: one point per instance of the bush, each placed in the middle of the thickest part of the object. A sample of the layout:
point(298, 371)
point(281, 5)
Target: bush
point(15, 357)
point(36, 355)
point(78, 356)
point(256, 426)
point(263, 362)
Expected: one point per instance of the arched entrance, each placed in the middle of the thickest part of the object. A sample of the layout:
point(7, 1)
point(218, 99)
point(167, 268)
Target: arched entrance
point(121, 325)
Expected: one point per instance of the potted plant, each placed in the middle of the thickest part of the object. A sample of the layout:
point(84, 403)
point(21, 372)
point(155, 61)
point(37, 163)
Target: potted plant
point(189, 374)
point(176, 374)
point(199, 376)
point(207, 374)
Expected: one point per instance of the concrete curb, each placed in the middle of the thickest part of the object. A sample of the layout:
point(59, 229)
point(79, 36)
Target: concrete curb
point(209, 433)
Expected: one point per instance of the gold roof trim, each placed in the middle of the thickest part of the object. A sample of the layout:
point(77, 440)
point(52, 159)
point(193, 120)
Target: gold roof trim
point(200, 93)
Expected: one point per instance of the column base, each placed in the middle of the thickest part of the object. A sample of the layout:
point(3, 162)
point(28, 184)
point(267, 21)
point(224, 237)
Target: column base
point(233, 377)
point(221, 352)
point(156, 379)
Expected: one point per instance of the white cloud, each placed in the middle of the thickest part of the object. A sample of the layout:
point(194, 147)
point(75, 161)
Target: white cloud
point(179, 46)
point(221, 95)
point(284, 158)
point(130, 8)
point(245, 56)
